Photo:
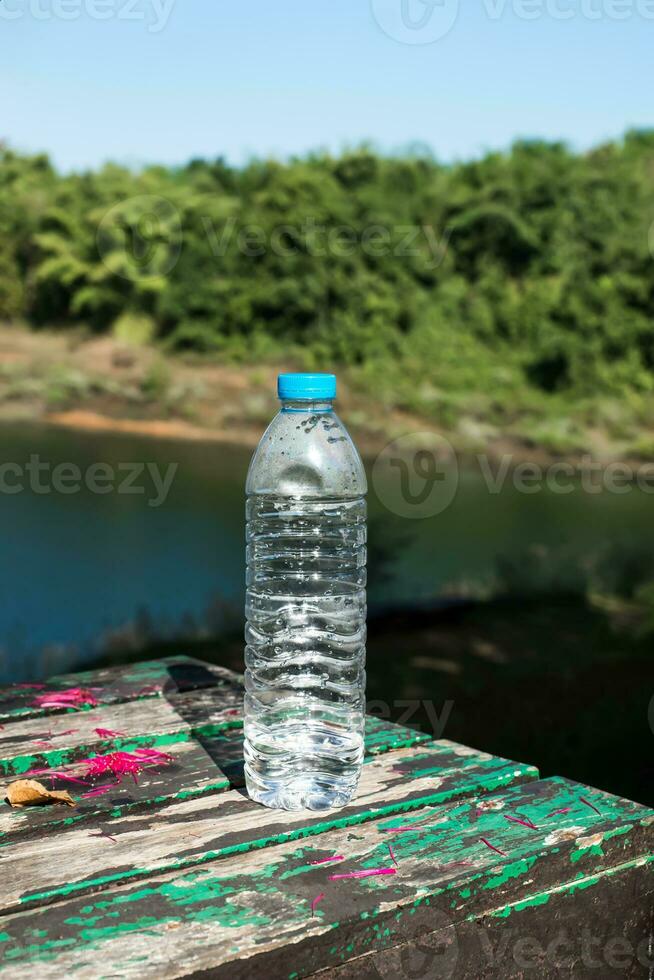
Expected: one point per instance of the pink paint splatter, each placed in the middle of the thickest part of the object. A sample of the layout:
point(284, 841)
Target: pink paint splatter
point(337, 857)
point(364, 874)
point(74, 697)
point(68, 731)
point(107, 733)
point(588, 803)
point(100, 791)
point(103, 833)
point(525, 823)
point(120, 764)
point(392, 854)
point(564, 809)
point(315, 902)
point(55, 774)
point(492, 846)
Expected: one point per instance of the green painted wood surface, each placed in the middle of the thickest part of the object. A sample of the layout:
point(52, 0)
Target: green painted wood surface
point(250, 915)
point(26, 745)
point(225, 744)
point(203, 764)
point(198, 831)
point(215, 710)
point(191, 773)
point(116, 684)
point(156, 880)
point(599, 931)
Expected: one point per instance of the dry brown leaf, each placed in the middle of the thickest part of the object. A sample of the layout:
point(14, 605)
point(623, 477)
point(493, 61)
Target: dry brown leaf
point(29, 792)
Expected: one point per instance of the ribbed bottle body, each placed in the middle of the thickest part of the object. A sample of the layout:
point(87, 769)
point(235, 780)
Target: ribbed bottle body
point(305, 642)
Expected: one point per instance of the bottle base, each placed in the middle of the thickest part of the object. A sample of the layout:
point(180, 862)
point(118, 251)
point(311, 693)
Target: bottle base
point(301, 793)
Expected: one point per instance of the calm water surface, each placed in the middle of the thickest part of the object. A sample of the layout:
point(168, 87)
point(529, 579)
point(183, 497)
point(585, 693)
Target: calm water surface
point(82, 570)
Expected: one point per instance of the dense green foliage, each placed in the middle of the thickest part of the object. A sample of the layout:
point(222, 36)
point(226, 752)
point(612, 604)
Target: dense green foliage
point(523, 273)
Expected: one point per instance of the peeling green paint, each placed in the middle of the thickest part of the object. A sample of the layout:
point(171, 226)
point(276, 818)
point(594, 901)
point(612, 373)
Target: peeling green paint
point(227, 898)
point(568, 888)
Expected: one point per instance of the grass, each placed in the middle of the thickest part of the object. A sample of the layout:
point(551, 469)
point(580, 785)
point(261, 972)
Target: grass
point(478, 405)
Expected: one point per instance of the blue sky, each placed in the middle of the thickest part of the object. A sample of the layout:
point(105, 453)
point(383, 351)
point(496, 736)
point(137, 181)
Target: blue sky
point(166, 80)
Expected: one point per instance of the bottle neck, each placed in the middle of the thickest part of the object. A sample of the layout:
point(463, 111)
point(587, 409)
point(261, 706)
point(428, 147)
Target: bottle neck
point(307, 406)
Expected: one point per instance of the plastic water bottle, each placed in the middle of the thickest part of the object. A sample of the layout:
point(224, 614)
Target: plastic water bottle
point(306, 604)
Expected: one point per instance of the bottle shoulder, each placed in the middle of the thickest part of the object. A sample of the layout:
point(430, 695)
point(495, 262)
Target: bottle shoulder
point(306, 454)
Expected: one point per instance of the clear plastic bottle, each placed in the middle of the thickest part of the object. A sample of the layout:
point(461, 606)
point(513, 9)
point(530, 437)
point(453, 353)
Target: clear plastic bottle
point(306, 604)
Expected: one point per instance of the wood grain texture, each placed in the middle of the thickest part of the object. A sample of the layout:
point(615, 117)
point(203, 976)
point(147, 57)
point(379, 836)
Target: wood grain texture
point(250, 915)
point(197, 831)
point(113, 685)
point(210, 764)
point(26, 745)
point(182, 875)
point(601, 931)
point(222, 735)
point(191, 773)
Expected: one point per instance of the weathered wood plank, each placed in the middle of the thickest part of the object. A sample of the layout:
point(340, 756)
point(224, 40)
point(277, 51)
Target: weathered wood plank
point(383, 736)
point(112, 685)
point(225, 743)
point(210, 710)
point(190, 773)
point(201, 830)
point(214, 709)
point(28, 747)
point(212, 764)
point(598, 927)
point(56, 741)
point(250, 915)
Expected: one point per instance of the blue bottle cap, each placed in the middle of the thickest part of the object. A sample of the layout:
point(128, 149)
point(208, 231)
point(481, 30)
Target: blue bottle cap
point(306, 387)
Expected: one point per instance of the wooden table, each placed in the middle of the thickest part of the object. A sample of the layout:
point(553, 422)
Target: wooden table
point(497, 873)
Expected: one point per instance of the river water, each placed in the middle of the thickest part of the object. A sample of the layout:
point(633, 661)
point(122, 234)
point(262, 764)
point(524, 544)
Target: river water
point(83, 571)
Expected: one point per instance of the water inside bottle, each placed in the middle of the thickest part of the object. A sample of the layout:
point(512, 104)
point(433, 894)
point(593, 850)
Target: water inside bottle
point(305, 611)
